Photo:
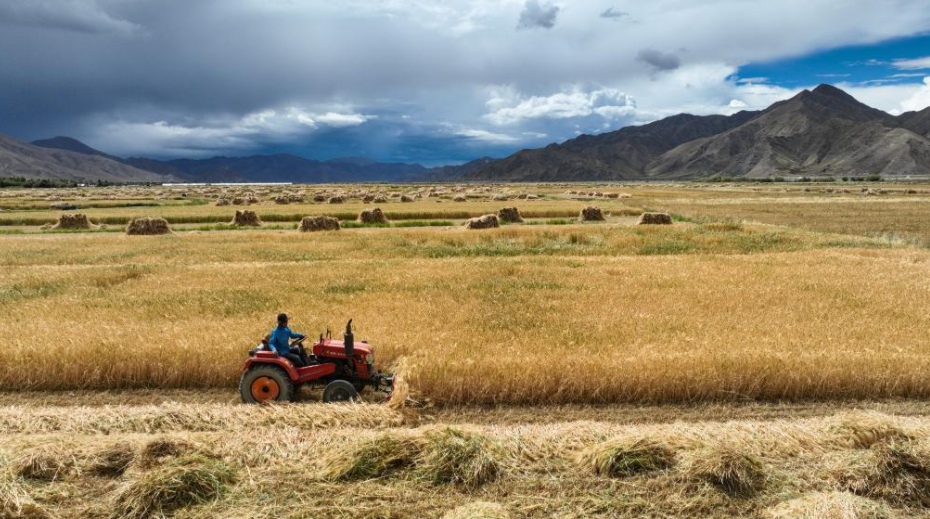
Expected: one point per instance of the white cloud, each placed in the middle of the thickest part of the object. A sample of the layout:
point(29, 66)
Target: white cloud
point(483, 135)
point(893, 98)
point(912, 64)
point(249, 132)
point(606, 102)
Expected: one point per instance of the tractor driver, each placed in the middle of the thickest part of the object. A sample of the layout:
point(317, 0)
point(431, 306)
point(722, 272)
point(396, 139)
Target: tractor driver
point(278, 340)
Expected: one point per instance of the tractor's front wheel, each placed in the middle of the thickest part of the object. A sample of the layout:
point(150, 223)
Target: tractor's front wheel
point(265, 384)
point(339, 391)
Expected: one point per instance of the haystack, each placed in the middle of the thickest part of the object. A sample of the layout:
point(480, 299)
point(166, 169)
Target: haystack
point(222, 201)
point(592, 214)
point(148, 226)
point(406, 198)
point(246, 219)
point(368, 199)
point(73, 221)
point(488, 221)
point(380, 199)
point(337, 200)
point(318, 223)
point(238, 201)
point(654, 219)
point(509, 214)
point(319, 197)
point(282, 200)
point(63, 206)
point(375, 215)
point(459, 198)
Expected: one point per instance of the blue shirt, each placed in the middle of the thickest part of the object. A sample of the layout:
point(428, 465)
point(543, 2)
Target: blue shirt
point(278, 340)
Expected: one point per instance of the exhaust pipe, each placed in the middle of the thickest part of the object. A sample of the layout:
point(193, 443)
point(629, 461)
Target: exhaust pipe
point(349, 340)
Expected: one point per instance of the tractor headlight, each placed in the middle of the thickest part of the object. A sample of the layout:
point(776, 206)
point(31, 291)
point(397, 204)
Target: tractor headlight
point(370, 358)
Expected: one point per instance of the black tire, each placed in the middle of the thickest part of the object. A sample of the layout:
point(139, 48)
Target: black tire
point(339, 391)
point(359, 387)
point(274, 378)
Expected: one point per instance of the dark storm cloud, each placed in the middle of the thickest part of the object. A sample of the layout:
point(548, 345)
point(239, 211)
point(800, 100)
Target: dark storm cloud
point(613, 14)
point(539, 15)
point(70, 15)
point(659, 60)
point(399, 78)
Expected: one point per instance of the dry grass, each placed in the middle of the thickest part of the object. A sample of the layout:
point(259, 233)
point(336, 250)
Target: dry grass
point(829, 505)
point(183, 482)
point(478, 510)
point(374, 457)
point(623, 457)
point(804, 321)
point(729, 469)
point(527, 470)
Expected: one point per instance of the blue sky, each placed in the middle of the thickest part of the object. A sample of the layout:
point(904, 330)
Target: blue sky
point(895, 61)
point(430, 81)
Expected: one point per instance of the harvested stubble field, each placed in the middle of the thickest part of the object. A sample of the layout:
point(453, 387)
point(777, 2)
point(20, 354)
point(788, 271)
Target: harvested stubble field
point(200, 456)
point(743, 299)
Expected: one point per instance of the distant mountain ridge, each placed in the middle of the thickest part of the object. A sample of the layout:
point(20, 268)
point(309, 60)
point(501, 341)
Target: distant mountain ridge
point(279, 167)
point(21, 159)
point(819, 132)
point(824, 131)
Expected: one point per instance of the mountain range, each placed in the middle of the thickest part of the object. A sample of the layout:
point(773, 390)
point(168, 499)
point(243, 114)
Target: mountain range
point(820, 132)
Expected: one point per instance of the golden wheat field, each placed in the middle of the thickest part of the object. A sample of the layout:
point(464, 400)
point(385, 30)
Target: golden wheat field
point(708, 368)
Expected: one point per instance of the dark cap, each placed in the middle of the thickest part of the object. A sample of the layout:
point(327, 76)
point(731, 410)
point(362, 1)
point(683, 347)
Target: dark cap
point(282, 318)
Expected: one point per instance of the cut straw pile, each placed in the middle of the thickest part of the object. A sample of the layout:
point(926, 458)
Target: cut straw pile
point(375, 215)
point(318, 223)
point(73, 221)
point(445, 456)
point(147, 226)
point(180, 483)
point(246, 219)
point(623, 457)
point(488, 221)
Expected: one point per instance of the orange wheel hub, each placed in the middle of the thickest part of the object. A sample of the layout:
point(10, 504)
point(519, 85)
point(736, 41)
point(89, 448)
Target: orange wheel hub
point(265, 389)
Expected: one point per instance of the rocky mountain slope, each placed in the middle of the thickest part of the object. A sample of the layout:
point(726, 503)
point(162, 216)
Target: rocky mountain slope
point(820, 132)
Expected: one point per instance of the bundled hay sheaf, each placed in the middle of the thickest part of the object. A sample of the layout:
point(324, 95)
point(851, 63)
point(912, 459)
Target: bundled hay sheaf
point(183, 482)
point(375, 457)
point(509, 214)
point(623, 457)
point(592, 214)
point(898, 472)
point(862, 430)
point(15, 500)
point(829, 505)
point(246, 219)
point(488, 221)
point(113, 461)
point(73, 221)
point(454, 456)
point(161, 449)
point(318, 223)
point(733, 472)
point(375, 215)
point(478, 510)
point(148, 226)
point(654, 219)
point(45, 466)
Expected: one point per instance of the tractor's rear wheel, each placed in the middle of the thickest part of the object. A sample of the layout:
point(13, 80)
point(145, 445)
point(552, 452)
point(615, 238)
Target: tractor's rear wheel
point(265, 384)
point(339, 391)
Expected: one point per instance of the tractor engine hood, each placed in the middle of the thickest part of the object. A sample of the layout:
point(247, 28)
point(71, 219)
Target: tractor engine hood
point(336, 348)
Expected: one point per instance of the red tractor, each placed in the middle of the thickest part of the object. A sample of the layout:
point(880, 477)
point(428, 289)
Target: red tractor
point(343, 368)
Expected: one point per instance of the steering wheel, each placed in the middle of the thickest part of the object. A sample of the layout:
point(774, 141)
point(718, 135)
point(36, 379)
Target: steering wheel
point(300, 341)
